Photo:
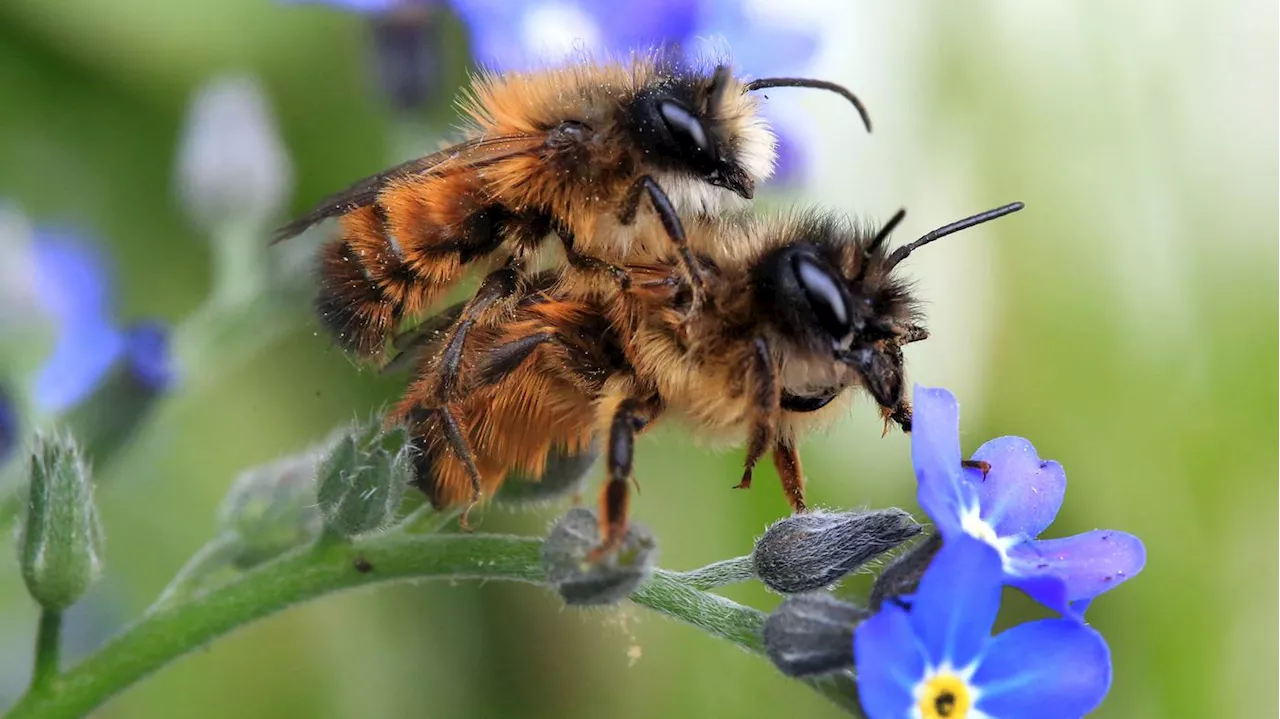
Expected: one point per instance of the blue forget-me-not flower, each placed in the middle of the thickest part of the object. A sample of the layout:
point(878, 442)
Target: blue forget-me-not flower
point(72, 286)
point(938, 659)
point(1009, 507)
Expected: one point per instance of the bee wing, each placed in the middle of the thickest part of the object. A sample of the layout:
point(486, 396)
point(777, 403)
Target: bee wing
point(466, 155)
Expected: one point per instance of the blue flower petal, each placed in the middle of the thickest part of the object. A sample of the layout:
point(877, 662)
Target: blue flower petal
point(889, 663)
point(1050, 669)
point(760, 46)
point(635, 26)
point(363, 6)
point(147, 348)
point(1089, 564)
point(1021, 495)
point(71, 276)
point(1048, 589)
point(84, 353)
point(9, 427)
point(956, 604)
point(935, 453)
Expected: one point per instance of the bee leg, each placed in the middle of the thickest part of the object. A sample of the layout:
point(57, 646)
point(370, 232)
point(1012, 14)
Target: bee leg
point(978, 464)
point(766, 397)
point(912, 333)
point(628, 419)
point(586, 262)
point(646, 185)
point(499, 285)
point(786, 458)
point(462, 450)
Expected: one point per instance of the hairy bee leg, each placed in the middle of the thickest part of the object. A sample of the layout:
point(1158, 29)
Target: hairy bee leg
point(462, 450)
point(581, 261)
point(628, 419)
point(766, 399)
point(978, 464)
point(786, 458)
point(646, 185)
point(410, 343)
point(499, 285)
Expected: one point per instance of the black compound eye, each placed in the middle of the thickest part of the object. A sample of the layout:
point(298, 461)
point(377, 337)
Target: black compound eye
point(688, 132)
point(826, 296)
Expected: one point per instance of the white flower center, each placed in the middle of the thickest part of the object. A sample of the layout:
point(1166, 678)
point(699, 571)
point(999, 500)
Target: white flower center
point(557, 29)
point(975, 526)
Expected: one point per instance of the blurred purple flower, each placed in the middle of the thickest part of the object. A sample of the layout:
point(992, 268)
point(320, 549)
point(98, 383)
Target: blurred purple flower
point(72, 286)
point(522, 34)
point(1010, 506)
point(9, 427)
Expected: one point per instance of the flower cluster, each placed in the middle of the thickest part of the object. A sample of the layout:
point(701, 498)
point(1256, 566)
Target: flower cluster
point(522, 34)
point(931, 651)
point(924, 647)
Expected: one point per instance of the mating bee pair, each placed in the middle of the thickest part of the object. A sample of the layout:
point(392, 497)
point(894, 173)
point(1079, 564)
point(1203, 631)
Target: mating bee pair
point(670, 299)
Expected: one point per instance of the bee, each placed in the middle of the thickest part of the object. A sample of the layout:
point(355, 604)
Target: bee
point(799, 310)
point(568, 152)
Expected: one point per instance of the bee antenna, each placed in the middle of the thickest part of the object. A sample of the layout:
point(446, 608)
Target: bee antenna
point(901, 253)
point(878, 240)
point(841, 90)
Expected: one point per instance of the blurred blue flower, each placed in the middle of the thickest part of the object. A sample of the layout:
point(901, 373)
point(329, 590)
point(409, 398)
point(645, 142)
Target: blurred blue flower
point(73, 287)
point(9, 427)
point(522, 34)
point(938, 659)
point(1007, 508)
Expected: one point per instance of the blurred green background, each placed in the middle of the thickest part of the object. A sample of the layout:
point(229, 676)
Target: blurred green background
point(1125, 323)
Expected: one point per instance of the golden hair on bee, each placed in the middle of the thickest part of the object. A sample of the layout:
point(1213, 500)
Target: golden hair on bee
point(799, 310)
point(575, 152)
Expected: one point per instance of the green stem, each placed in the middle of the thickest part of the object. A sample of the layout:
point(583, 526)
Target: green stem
point(718, 574)
point(174, 630)
point(48, 649)
point(188, 580)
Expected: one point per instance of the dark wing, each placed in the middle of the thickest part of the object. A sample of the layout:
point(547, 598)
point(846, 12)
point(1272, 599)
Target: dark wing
point(470, 154)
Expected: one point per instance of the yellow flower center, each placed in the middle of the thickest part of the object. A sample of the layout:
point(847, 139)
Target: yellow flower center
point(945, 696)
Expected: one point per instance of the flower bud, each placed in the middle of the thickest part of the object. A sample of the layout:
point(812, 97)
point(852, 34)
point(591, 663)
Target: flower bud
point(60, 539)
point(362, 478)
point(231, 162)
point(271, 509)
point(584, 580)
point(903, 574)
point(565, 475)
point(807, 551)
point(812, 634)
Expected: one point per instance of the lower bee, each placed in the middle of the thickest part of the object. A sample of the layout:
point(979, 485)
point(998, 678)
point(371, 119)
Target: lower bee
point(798, 311)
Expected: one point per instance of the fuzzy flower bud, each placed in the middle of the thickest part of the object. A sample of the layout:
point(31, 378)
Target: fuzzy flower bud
point(902, 576)
point(271, 509)
point(808, 551)
point(812, 634)
point(231, 160)
point(60, 539)
point(361, 480)
point(565, 475)
point(583, 580)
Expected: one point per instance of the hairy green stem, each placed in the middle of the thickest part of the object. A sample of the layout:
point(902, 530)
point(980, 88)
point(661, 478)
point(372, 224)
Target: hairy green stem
point(718, 574)
point(48, 649)
point(174, 630)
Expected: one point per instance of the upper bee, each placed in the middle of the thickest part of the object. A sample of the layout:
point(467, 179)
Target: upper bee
point(690, 128)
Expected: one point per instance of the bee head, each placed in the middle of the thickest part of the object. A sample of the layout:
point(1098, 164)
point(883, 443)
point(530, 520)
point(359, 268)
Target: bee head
point(834, 293)
point(708, 126)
